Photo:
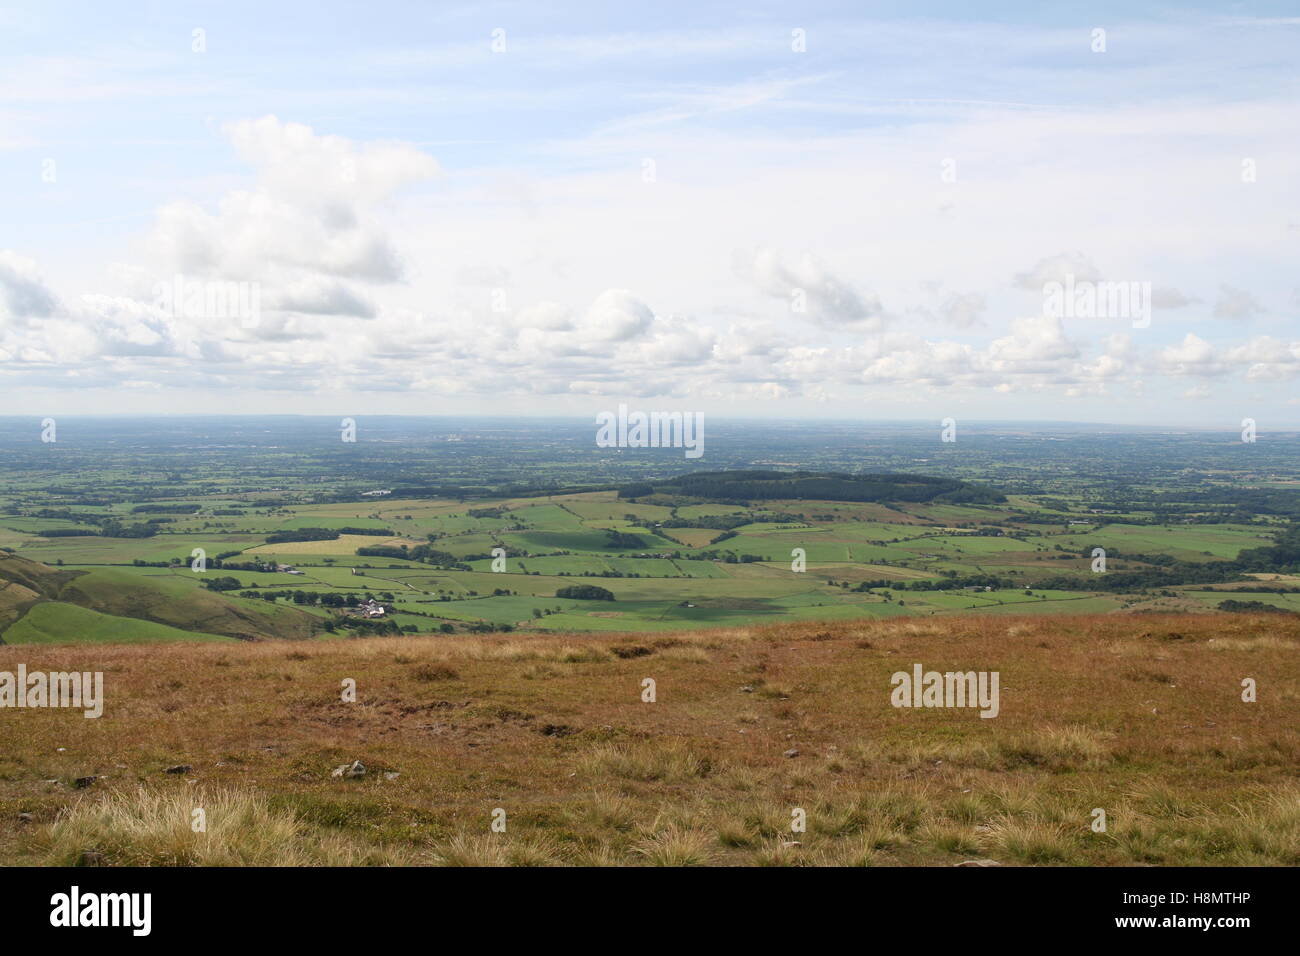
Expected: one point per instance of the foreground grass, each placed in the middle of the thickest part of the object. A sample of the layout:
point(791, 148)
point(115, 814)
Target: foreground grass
point(752, 728)
point(238, 828)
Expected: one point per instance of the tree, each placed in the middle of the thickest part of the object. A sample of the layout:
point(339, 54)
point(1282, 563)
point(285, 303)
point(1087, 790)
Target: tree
point(585, 592)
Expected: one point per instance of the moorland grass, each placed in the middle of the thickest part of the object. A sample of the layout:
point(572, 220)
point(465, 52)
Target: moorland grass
point(748, 726)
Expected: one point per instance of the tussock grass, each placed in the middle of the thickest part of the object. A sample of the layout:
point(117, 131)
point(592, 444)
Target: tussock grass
point(1031, 841)
point(651, 761)
point(144, 828)
point(676, 846)
point(950, 838)
point(476, 850)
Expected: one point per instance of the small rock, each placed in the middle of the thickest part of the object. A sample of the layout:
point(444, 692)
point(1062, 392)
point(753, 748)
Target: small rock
point(789, 843)
point(25, 818)
point(392, 775)
point(81, 783)
point(978, 863)
point(747, 689)
point(179, 768)
point(792, 752)
point(91, 858)
point(350, 771)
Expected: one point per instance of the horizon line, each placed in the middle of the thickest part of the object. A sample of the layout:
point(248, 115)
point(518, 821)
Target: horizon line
point(484, 416)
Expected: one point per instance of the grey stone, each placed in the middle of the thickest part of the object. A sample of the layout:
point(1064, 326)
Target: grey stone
point(350, 771)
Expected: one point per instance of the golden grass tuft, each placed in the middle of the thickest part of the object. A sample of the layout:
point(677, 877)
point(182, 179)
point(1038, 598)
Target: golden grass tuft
point(147, 828)
point(676, 846)
point(671, 761)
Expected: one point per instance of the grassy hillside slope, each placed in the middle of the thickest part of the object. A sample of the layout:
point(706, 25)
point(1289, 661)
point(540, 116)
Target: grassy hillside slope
point(53, 622)
point(37, 577)
point(1138, 715)
point(161, 606)
point(177, 602)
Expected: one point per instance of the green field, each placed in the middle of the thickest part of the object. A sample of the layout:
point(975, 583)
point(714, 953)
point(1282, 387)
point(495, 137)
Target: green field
point(734, 565)
point(56, 623)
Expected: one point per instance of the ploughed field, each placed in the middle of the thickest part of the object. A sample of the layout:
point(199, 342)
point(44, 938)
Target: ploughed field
point(751, 730)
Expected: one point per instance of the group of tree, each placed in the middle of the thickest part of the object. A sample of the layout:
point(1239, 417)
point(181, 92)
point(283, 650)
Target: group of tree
point(302, 534)
point(819, 486)
point(585, 592)
point(424, 553)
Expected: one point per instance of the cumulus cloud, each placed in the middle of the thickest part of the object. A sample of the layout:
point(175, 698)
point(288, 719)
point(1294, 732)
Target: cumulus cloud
point(309, 169)
point(1165, 297)
point(961, 310)
point(1038, 341)
point(1193, 356)
point(318, 295)
point(1260, 359)
point(1234, 303)
point(807, 286)
point(312, 212)
point(1266, 359)
point(313, 225)
point(22, 292)
point(1056, 269)
point(616, 316)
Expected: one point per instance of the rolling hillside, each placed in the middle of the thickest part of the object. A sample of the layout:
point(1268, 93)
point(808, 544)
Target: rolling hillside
point(54, 622)
point(40, 604)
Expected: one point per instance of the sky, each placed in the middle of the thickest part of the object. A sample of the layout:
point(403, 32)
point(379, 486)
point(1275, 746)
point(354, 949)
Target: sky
point(773, 210)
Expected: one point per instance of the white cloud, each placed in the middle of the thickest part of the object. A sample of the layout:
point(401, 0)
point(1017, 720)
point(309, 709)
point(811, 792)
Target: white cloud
point(806, 283)
point(22, 292)
point(1058, 268)
point(372, 281)
point(1234, 303)
point(322, 296)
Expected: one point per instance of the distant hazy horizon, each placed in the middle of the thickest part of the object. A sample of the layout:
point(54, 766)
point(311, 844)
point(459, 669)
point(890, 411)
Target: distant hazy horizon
point(909, 423)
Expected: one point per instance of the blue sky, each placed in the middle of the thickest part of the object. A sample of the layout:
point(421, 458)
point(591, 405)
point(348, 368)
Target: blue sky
point(626, 204)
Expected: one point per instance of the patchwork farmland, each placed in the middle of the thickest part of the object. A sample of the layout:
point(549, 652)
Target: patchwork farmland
point(670, 562)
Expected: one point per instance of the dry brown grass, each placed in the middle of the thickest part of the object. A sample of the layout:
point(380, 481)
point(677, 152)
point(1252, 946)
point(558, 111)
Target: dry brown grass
point(553, 730)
